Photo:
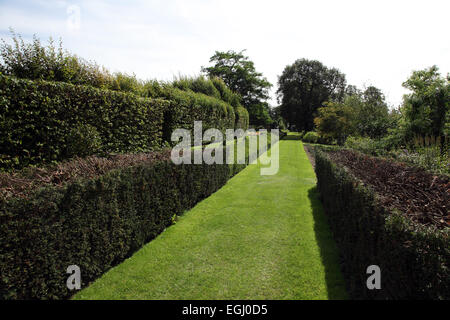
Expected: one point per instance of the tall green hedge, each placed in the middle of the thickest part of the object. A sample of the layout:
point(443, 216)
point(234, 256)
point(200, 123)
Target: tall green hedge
point(214, 87)
point(188, 106)
point(242, 118)
point(199, 85)
point(44, 121)
point(414, 259)
point(209, 100)
point(94, 223)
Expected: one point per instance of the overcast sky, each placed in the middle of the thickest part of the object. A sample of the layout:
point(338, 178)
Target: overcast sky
point(373, 42)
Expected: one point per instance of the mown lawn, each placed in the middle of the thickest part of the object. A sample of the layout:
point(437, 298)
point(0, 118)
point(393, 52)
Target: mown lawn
point(259, 237)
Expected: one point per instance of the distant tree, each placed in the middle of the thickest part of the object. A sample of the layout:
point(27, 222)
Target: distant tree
point(240, 75)
point(372, 116)
point(260, 113)
point(278, 121)
point(335, 121)
point(303, 87)
point(426, 109)
point(352, 90)
point(361, 113)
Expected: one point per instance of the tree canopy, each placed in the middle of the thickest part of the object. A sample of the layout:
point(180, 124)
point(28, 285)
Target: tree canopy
point(372, 113)
point(303, 87)
point(240, 75)
point(335, 121)
point(426, 110)
point(361, 113)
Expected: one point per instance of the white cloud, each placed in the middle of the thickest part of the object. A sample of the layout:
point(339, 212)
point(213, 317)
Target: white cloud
point(376, 43)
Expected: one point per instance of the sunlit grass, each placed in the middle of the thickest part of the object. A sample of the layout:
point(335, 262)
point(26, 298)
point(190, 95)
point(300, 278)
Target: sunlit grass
point(259, 237)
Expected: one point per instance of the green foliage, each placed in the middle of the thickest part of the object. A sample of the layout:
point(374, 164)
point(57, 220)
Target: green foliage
point(364, 114)
point(371, 113)
point(239, 74)
point(233, 235)
point(225, 93)
point(126, 83)
point(366, 145)
point(413, 258)
point(199, 85)
point(209, 100)
point(44, 121)
point(188, 106)
point(95, 223)
point(260, 115)
point(242, 118)
point(334, 121)
point(152, 89)
point(430, 153)
point(426, 109)
point(278, 121)
point(214, 88)
point(83, 141)
point(38, 119)
point(36, 61)
point(303, 87)
point(311, 137)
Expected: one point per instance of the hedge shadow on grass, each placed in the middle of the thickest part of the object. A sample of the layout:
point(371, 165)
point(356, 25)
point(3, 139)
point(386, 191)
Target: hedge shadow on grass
point(334, 279)
point(291, 137)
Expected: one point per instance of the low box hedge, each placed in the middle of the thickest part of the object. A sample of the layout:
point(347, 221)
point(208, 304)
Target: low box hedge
point(94, 223)
point(414, 259)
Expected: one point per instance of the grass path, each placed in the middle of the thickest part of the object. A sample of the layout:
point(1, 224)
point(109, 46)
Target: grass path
point(259, 237)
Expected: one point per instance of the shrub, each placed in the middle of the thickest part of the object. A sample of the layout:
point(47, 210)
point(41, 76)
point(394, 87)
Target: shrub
point(334, 121)
point(83, 141)
point(126, 83)
point(36, 61)
point(365, 145)
point(311, 137)
point(37, 119)
point(413, 258)
point(430, 153)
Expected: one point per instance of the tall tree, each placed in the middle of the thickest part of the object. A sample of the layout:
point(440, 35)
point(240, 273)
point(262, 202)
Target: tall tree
point(240, 75)
point(426, 109)
point(303, 87)
point(372, 118)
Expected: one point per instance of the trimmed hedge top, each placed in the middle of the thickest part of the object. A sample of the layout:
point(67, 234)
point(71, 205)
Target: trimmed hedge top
point(42, 122)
